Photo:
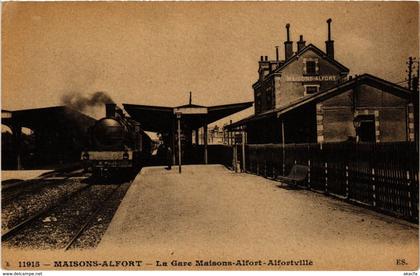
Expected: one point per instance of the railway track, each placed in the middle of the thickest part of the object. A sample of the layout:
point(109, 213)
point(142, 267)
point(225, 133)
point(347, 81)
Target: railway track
point(90, 218)
point(48, 175)
point(13, 191)
point(9, 233)
point(73, 215)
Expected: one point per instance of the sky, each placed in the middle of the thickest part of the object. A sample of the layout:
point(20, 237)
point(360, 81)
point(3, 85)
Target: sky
point(155, 53)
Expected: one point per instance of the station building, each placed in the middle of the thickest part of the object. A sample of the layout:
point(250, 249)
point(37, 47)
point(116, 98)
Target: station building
point(309, 97)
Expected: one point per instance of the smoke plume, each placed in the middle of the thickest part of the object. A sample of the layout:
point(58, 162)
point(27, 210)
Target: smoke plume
point(81, 102)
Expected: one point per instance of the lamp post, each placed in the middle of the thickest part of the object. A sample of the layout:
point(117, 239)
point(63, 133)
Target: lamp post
point(178, 117)
point(243, 150)
point(283, 142)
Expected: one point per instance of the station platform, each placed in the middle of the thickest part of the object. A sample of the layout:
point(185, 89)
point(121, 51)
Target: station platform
point(10, 176)
point(213, 213)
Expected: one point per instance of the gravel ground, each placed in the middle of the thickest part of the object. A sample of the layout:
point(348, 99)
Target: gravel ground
point(13, 191)
point(55, 229)
point(30, 202)
point(93, 233)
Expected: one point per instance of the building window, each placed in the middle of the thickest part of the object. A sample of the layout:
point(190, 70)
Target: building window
point(311, 89)
point(310, 66)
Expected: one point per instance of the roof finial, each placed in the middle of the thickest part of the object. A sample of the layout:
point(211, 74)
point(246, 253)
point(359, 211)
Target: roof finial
point(190, 97)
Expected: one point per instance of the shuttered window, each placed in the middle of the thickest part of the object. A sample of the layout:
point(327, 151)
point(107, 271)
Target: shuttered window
point(310, 67)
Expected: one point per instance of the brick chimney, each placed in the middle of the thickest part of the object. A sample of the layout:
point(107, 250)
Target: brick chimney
point(329, 44)
point(301, 43)
point(264, 66)
point(110, 109)
point(288, 45)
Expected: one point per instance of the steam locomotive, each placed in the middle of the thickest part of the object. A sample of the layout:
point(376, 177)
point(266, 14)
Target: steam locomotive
point(117, 145)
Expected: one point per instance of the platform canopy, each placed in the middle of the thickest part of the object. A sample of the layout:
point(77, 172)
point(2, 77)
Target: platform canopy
point(61, 132)
point(48, 118)
point(161, 119)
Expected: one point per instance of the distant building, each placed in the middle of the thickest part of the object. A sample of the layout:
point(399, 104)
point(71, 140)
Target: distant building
point(309, 98)
point(215, 136)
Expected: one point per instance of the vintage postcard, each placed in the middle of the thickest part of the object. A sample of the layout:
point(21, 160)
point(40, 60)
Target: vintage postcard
point(210, 136)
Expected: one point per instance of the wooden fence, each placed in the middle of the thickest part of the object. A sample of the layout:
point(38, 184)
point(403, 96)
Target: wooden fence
point(383, 176)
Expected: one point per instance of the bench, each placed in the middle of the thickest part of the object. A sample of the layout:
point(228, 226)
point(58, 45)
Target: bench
point(297, 174)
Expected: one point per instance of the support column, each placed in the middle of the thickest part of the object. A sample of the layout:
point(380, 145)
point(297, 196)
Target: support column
point(205, 143)
point(178, 117)
point(411, 133)
point(320, 123)
point(17, 143)
point(235, 157)
point(283, 142)
point(173, 143)
point(230, 134)
point(197, 137)
point(243, 151)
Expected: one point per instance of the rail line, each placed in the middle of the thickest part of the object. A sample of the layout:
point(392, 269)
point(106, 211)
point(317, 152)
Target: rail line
point(26, 185)
point(49, 175)
point(10, 232)
point(67, 232)
point(99, 208)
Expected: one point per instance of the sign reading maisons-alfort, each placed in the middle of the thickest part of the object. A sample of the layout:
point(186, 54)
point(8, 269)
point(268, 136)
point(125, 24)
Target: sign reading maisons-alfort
point(299, 78)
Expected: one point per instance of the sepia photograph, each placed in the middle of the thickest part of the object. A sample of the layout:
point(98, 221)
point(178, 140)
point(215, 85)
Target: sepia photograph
point(222, 136)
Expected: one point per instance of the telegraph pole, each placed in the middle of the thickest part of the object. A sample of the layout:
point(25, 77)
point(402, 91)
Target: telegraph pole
point(410, 72)
point(415, 81)
point(415, 99)
point(178, 117)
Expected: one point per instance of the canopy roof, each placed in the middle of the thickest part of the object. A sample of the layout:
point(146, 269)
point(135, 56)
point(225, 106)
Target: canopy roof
point(161, 119)
point(56, 118)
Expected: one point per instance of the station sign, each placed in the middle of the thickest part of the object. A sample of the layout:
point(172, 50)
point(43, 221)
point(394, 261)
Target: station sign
point(190, 110)
point(299, 78)
point(6, 115)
